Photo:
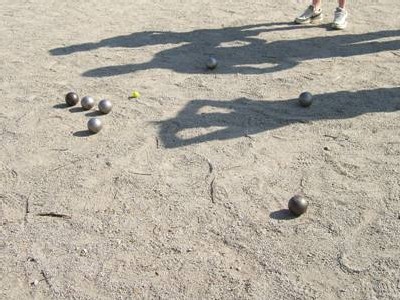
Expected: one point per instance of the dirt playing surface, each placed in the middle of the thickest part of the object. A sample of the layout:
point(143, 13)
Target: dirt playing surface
point(183, 194)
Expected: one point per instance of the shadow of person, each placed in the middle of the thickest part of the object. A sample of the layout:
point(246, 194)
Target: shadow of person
point(239, 49)
point(151, 38)
point(208, 120)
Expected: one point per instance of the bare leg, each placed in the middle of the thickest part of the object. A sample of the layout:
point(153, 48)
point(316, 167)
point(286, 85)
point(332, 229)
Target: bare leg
point(342, 3)
point(317, 3)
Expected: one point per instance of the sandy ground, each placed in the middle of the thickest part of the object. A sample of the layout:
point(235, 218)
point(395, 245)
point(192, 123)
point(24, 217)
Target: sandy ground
point(183, 194)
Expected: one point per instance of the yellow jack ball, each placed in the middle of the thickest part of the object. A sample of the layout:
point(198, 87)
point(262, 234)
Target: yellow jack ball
point(135, 94)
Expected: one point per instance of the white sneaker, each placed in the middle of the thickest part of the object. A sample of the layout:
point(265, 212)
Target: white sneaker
point(310, 15)
point(339, 22)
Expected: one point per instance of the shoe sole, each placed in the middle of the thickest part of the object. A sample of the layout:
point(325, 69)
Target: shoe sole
point(339, 27)
point(312, 20)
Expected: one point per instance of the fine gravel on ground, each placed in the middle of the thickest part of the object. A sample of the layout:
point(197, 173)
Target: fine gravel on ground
point(183, 194)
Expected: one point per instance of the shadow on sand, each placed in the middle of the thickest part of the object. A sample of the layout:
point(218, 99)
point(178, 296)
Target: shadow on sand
point(238, 49)
point(83, 133)
point(61, 106)
point(232, 119)
point(94, 113)
point(283, 214)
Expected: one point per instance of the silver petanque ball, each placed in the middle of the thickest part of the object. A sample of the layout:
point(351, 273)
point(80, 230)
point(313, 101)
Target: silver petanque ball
point(211, 63)
point(95, 125)
point(105, 106)
point(298, 205)
point(305, 99)
point(87, 102)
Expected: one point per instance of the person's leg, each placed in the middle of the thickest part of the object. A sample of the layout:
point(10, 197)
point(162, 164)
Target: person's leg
point(312, 14)
point(317, 4)
point(339, 22)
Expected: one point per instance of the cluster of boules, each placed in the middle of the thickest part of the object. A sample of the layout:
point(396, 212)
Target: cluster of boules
point(105, 107)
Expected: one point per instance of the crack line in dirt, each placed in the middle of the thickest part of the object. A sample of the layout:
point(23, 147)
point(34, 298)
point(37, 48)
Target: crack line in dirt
point(212, 190)
point(54, 215)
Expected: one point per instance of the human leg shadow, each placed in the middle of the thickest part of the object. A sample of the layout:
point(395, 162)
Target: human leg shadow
point(254, 55)
point(149, 38)
point(209, 120)
point(241, 49)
